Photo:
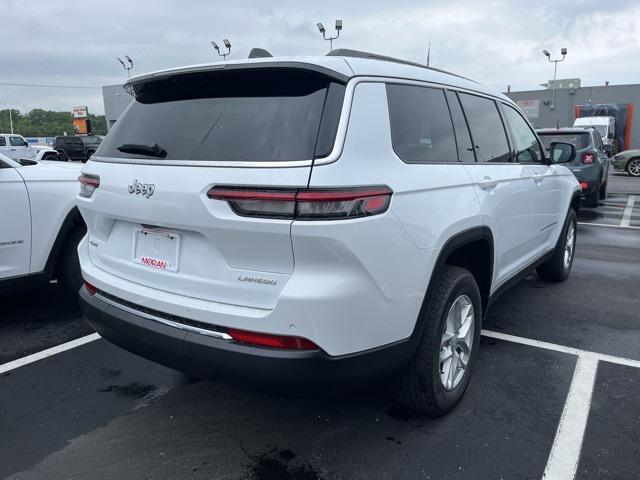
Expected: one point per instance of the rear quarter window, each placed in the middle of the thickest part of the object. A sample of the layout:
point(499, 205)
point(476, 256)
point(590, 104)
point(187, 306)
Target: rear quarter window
point(244, 115)
point(421, 127)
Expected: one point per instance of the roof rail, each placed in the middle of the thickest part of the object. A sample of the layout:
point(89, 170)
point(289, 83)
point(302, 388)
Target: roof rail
point(346, 52)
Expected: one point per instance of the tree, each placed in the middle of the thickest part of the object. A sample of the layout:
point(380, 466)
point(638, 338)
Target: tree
point(46, 123)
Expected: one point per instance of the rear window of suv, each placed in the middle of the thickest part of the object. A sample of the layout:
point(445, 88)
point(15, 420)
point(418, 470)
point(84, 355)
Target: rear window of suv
point(580, 140)
point(241, 115)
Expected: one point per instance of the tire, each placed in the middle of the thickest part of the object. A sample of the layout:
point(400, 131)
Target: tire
point(424, 386)
point(633, 167)
point(603, 191)
point(558, 267)
point(50, 156)
point(591, 200)
point(69, 274)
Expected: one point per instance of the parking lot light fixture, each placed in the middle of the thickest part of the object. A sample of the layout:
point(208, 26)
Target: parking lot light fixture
point(127, 66)
point(323, 31)
point(223, 54)
point(563, 52)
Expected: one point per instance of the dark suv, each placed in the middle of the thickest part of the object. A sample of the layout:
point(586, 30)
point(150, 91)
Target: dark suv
point(591, 164)
point(77, 147)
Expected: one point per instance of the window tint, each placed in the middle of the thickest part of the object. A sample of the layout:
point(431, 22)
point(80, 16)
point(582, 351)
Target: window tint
point(465, 147)
point(3, 142)
point(421, 129)
point(527, 145)
point(255, 115)
point(579, 140)
point(487, 130)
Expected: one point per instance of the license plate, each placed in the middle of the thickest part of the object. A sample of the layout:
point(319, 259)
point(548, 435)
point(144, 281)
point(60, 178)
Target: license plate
point(156, 249)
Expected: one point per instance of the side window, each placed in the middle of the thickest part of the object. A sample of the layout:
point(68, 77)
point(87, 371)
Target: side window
point(487, 130)
point(465, 147)
point(527, 145)
point(3, 142)
point(17, 142)
point(421, 129)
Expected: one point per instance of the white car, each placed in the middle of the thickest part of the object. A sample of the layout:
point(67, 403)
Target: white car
point(17, 148)
point(40, 227)
point(318, 221)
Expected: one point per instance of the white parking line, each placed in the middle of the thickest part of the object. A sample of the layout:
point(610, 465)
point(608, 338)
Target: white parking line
point(567, 445)
point(629, 362)
point(20, 362)
point(626, 216)
point(626, 227)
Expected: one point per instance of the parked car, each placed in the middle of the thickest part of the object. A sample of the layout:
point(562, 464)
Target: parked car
point(591, 164)
point(77, 147)
point(606, 127)
point(318, 221)
point(628, 161)
point(17, 148)
point(41, 227)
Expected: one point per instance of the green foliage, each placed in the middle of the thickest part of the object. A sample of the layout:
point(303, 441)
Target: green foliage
point(46, 123)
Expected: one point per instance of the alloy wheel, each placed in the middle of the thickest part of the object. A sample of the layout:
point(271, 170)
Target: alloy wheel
point(457, 342)
point(569, 245)
point(634, 167)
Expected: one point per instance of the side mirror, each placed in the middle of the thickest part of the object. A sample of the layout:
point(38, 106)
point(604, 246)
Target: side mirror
point(562, 152)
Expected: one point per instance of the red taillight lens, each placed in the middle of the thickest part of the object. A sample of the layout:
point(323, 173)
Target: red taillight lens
point(91, 290)
point(584, 185)
point(307, 204)
point(88, 184)
point(273, 341)
point(588, 158)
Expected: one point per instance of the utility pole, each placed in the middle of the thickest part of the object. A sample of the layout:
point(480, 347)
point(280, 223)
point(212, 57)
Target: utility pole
point(563, 52)
point(10, 120)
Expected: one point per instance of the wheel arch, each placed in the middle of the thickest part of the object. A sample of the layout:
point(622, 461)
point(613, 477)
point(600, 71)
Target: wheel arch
point(72, 221)
point(472, 249)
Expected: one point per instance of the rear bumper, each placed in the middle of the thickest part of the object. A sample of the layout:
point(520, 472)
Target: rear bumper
point(232, 362)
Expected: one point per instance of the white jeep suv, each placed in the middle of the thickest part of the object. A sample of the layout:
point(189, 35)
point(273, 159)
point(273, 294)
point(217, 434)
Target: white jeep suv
point(318, 221)
point(40, 226)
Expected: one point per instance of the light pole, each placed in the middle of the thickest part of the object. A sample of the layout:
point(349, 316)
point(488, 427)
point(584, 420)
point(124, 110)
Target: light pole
point(563, 52)
point(331, 39)
point(226, 44)
point(125, 66)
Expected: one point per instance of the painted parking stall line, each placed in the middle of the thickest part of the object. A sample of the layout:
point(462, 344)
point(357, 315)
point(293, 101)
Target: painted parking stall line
point(626, 216)
point(20, 362)
point(567, 445)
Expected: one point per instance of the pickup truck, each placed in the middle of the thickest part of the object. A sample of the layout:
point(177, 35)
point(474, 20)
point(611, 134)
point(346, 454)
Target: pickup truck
point(40, 224)
point(17, 148)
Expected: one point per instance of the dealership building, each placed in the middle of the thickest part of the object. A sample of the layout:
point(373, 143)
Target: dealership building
point(573, 100)
point(115, 99)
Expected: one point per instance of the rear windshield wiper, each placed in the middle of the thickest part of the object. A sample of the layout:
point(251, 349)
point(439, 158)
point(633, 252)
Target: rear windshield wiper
point(154, 150)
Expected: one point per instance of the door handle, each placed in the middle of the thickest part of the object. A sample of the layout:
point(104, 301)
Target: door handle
point(537, 177)
point(487, 182)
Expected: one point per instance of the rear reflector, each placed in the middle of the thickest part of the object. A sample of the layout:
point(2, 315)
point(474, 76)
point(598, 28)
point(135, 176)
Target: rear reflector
point(588, 158)
point(305, 204)
point(88, 184)
point(584, 185)
point(274, 341)
point(91, 290)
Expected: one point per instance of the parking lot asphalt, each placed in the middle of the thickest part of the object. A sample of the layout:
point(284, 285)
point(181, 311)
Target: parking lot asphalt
point(96, 411)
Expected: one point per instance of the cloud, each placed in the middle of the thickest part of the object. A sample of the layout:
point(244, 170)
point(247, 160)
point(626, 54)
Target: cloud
point(497, 42)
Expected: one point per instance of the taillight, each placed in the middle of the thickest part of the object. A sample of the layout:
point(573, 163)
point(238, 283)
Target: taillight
point(305, 204)
point(588, 158)
point(273, 341)
point(91, 290)
point(88, 184)
point(584, 185)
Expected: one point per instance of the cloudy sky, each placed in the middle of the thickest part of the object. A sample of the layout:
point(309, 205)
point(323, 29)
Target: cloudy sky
point(498, 42)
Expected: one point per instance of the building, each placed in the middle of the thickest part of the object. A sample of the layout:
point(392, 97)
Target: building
point(612, 100)
point(115, 99)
